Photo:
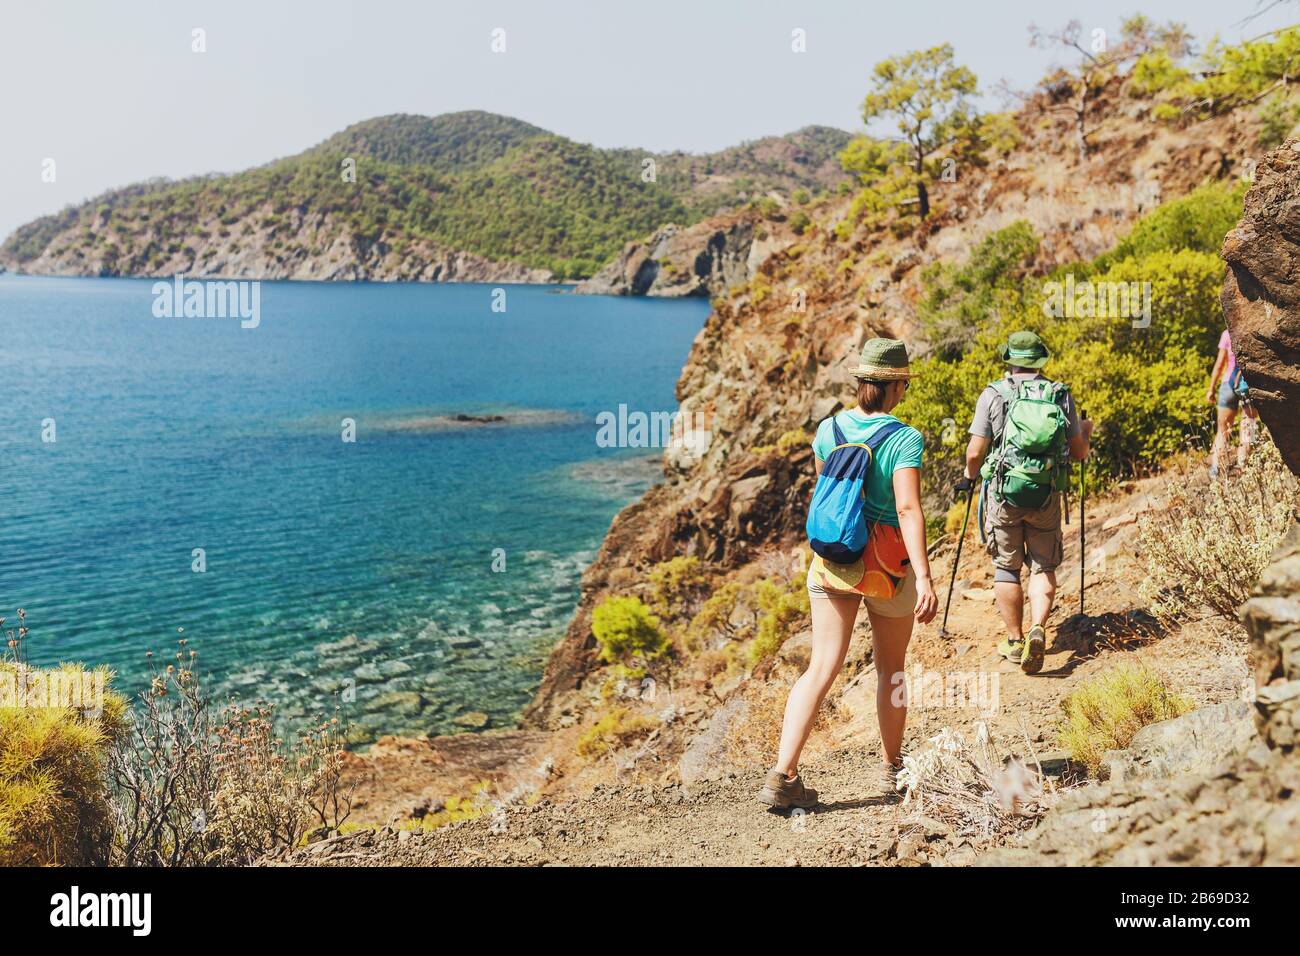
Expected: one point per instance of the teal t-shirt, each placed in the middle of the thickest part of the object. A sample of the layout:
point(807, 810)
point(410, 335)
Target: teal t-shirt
point(902, 449)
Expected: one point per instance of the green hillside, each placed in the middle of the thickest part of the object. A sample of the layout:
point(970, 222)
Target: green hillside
point(475, 182)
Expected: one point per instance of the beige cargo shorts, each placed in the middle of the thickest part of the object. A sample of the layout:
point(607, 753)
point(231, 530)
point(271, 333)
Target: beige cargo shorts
point(1016, 535)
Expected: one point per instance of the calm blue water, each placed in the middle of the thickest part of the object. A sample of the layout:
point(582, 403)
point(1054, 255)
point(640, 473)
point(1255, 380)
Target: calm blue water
point(176, 434)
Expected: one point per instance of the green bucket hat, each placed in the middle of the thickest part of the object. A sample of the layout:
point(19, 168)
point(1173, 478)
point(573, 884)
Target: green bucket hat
point(1025, 350)
point(883, 360)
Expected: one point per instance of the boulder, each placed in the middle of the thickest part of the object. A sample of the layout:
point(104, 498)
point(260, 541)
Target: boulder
point(1261, 295)
point(1196, 742)
point(403, 703)
point(1272, 618)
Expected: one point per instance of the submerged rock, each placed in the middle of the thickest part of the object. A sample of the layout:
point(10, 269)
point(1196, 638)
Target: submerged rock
point(474, 718)
point(405, 703)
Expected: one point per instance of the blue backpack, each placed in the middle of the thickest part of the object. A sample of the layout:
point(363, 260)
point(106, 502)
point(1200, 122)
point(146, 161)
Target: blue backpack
point(837, 529)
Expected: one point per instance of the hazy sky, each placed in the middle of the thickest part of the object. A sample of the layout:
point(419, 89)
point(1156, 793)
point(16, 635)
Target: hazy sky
point(114, 94)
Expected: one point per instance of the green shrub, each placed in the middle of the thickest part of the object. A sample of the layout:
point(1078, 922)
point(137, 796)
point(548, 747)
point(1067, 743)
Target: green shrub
point(1277, 117)
point(54, 806)
point(959, 299)
point(781, 607)
point(1105, 712)
point(458, 807)
point(789, 441)
point(677, 586)
point(625, 628)
point(1142, 385)
point(714, 617)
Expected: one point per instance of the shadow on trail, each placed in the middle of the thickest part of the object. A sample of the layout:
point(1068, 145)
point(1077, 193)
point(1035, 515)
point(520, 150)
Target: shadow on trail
point(1085, 636)
point(859, 804)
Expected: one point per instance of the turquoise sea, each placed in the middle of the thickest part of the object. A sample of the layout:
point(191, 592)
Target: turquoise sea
point(328, 564)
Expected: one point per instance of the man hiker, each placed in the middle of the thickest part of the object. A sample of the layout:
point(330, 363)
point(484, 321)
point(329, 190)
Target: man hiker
point(1025, 430)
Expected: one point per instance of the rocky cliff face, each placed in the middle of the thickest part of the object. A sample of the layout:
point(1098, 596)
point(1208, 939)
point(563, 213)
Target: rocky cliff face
point(322, 250)
point(1272, 617)
point(707, 258)
point(1261, 297)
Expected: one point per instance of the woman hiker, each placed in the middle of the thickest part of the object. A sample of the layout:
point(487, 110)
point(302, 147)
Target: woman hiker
point(893, 575)
point(1227, 400)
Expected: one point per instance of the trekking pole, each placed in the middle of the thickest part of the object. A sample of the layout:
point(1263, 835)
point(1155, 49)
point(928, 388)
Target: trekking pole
point(943, 628)
point(1083, 524)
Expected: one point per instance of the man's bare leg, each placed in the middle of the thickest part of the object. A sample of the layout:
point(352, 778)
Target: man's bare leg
point(1011, 605)
point(1042, 594)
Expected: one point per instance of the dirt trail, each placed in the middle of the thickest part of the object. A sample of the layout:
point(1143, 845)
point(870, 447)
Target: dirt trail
point(719, 822)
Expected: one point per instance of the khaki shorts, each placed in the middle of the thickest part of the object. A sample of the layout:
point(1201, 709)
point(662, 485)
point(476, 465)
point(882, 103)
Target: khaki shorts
point(902, 604)
point(1017, 534)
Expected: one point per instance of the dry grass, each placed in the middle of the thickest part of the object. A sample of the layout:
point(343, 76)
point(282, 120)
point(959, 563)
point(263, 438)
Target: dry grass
point(973, 786)
point(194, 784)
point(614, 730)
point(1210, 545)
point(1104, 713)
point(753, 740)
point(270, 794)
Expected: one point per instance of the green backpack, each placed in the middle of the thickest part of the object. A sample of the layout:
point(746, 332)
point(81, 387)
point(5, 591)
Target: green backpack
point(1032, 459)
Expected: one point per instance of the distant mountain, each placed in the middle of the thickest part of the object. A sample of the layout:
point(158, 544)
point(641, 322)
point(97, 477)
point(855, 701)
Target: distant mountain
point(463, 196)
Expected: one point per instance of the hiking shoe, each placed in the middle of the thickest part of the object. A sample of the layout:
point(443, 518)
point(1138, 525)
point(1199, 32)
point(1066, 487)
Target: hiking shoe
point(781, 793)
point(887, 779)
point(1035, 647)
point(1014, 651)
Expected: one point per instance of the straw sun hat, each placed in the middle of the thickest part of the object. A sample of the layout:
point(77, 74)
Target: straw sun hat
point(882, 360)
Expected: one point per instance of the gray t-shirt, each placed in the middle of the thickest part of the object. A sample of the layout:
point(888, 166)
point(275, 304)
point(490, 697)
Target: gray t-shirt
point(989, 410)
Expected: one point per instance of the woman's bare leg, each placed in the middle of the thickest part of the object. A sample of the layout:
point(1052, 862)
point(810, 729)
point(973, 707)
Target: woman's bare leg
point(1223, 427)
point(1249, 425)
point(889, 639)
point(832, 626)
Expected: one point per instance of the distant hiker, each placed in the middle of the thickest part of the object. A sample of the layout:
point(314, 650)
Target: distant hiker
point(1230, 396)
point(867, 532)
point(1026, 471)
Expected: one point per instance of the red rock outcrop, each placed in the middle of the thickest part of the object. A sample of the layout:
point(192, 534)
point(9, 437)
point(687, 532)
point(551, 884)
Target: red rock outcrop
point(1261, 297)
